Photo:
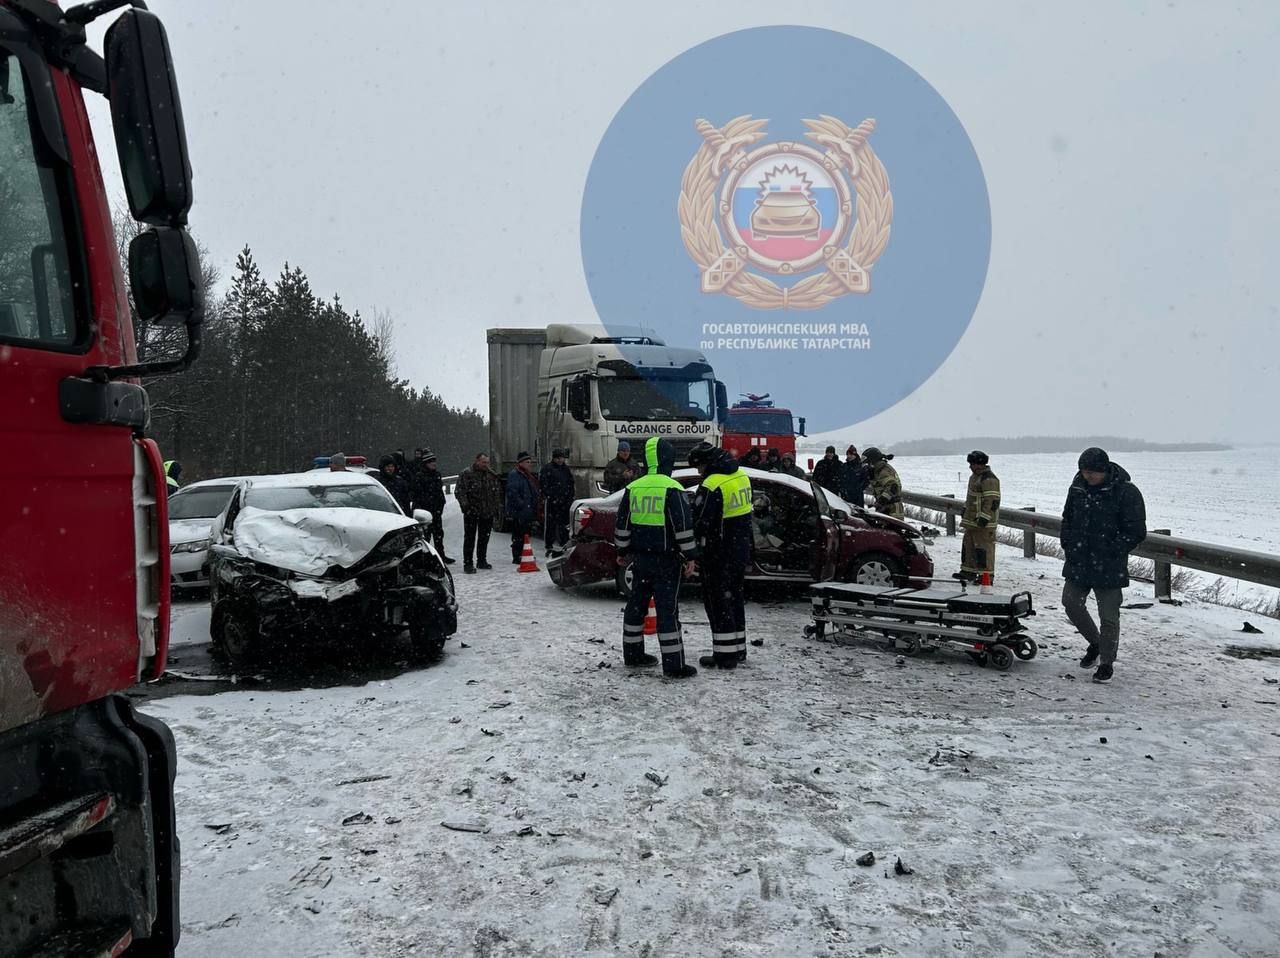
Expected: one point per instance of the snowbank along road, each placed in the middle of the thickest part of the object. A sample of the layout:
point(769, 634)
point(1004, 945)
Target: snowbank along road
point(528, 795)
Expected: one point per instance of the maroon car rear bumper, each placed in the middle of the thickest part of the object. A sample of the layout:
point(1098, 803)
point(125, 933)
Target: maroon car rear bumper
point(585, 562)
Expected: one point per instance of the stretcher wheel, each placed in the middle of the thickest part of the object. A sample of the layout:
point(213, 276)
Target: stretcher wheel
point(1001, 657)
point(810, 631)
point(908, 645)
point(1026, 649)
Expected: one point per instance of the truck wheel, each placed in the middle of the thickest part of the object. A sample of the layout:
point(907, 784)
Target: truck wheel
point(624, 579)
point(428, 640)
point(235, 635)
point(876, 568)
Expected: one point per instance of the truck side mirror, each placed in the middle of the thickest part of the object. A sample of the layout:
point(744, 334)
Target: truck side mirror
point(801, 432)
point(147, 117)
point(579, 399)
point(722, 403)
point(164, 272)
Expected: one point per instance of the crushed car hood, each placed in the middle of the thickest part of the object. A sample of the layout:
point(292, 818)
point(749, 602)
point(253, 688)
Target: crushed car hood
point(313, 541)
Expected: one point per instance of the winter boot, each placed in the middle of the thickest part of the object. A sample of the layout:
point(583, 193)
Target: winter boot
point(713, 661)
point(1090, 656)
point(469, 569)
point(1104, 673)
point(644, 658)
point(483, 565)
point(685, 672)
point(758, 643)
point(449, 560)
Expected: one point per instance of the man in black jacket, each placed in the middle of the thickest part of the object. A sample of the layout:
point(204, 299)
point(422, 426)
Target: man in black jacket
point(1103, 520)
point(557, 485)
point(853, 479)
point(389, 476)
point(428, 493)
point(827, 472)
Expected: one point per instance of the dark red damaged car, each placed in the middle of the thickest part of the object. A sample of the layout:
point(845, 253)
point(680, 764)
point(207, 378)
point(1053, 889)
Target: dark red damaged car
point(802, 533)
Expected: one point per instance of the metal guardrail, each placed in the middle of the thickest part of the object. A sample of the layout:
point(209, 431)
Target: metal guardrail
point(1164, 549)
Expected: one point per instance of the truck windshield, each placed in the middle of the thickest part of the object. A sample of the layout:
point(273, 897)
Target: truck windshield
point(656, 399)
point(760, 423)
point(203, 503)
point(322, 497)
point(36, 302)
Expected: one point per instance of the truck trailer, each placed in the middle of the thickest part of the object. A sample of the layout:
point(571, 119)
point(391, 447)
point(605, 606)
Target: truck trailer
point(584, 388)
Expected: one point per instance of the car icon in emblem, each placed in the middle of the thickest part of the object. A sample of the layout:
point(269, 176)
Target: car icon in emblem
point(785, 213)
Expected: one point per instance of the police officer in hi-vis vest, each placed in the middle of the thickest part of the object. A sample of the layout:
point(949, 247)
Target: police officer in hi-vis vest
point(655, 532)
point(722, 527)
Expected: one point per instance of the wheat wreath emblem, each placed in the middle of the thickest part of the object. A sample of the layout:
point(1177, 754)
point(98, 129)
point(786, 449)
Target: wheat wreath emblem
point(847, 268)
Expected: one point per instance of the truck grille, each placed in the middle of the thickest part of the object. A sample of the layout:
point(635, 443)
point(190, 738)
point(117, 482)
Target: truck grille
point(683, 448)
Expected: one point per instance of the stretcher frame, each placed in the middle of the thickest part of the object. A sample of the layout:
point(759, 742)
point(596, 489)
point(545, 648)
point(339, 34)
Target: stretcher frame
point(988, 627)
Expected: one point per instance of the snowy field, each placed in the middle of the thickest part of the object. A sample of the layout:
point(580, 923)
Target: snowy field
point(622, 814)
point(1231, 498)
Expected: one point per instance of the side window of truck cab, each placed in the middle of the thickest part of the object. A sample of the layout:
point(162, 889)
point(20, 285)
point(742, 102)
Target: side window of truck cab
point(37, 295)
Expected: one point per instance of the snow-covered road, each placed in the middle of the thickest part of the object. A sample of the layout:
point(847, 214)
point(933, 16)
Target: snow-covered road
point(1027, 835)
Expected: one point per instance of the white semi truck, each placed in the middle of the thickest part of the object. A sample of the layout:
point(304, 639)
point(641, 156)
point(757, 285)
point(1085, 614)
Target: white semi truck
point(583, 388)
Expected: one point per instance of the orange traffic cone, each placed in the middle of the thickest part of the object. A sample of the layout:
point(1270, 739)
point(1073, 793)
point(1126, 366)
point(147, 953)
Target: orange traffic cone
point(527, 562)
point(986, 584)
point(651, 619)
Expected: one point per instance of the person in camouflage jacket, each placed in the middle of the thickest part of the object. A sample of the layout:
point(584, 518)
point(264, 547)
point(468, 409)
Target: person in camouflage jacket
point(886, 487)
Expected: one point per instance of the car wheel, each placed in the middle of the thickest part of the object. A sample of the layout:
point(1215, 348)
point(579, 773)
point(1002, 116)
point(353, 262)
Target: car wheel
point(877, 568)
point(624, 579)
point(428, 640)
point(235, 635)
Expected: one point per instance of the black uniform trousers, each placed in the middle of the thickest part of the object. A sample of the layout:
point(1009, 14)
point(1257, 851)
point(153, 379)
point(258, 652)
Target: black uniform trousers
point(655, 577)
point(725, 601)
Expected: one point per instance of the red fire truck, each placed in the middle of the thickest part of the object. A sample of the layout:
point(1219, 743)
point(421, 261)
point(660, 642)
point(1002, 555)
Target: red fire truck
point(756, 423)
point(88, 851)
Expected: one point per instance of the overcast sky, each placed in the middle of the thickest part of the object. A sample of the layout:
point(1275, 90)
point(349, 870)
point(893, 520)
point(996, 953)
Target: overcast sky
point(429, 159)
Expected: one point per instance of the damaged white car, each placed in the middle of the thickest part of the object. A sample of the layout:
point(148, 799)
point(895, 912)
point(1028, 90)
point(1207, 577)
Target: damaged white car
point(314, 556)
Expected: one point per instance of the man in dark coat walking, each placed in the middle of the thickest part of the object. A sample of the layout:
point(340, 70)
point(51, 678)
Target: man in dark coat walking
point(428, 494)
point(389, 476)
point(556, 480)
point(1103, 520)
point(522, 503)
point(827, 472)
point(853, 479)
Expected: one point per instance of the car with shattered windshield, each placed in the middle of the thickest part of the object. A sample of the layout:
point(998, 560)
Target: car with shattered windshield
point(312, 557)
point(802, 533)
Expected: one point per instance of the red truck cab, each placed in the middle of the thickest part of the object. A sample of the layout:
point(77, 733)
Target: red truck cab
point(756, 423)
point(88, 850)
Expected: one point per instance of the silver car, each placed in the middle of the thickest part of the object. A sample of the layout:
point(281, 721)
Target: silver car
point(192, 510)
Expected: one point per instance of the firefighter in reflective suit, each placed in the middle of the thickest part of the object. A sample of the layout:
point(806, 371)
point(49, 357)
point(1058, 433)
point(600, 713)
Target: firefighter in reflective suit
point(722, 527)
point(654, 531)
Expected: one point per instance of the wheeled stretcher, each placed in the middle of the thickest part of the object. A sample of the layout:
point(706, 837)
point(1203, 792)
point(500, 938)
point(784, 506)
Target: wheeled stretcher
point(988, 627)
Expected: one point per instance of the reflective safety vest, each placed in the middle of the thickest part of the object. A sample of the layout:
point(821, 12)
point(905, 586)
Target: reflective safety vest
point(735, 489)
point(169, 481)
point(648, 499)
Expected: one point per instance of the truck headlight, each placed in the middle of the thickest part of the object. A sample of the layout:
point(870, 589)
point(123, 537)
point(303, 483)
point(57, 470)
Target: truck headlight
point(199, 545)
